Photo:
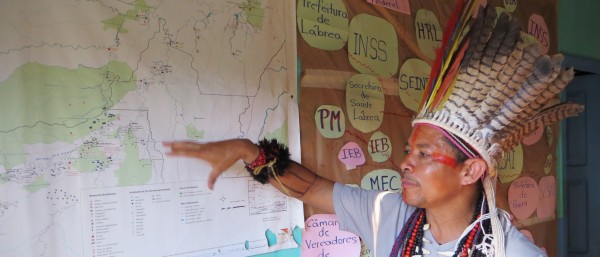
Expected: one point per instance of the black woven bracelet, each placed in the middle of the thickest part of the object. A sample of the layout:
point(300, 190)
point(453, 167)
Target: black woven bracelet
point(273, 159)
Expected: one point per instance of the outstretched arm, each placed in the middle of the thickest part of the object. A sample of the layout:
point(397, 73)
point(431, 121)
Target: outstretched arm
point(297, 180)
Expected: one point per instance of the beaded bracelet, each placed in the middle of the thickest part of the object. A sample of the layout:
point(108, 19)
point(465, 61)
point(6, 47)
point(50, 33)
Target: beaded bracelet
point(274, 156)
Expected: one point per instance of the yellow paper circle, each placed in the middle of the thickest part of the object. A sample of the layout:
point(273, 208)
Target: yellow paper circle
point(511, 165)
point(528, 39)
point(364, 102)
point(384, 180)
point(548, 164)
point(412, 80)
point(330, 121)
point(323, 24)
point(380, 147)
point(373, 46)
point(428, 32)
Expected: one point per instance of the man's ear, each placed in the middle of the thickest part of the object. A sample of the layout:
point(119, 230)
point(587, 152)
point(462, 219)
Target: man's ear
point(473, 170)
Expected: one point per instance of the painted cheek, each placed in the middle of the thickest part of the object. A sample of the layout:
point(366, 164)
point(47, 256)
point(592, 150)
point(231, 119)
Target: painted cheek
point(443, 159)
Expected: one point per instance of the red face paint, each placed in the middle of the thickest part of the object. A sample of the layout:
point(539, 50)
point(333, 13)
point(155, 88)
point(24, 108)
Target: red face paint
point(436, 157)
point(415, 133)
point(443, 159)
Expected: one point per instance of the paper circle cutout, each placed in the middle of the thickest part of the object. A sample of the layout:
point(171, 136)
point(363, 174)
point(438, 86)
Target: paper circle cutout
point(383, 180)
point(322, 237)
point(351, 155)
point(330, 121)
point(327, 30)
point(428, 32)
point(533, 137)
point(373, 46)
point(547, 194)
point(539, 30)
point(548, 164)
point(510, 5)
point(527, 234)
point(523, 197)
point(380, 147)
point(528, 39)
point(412, 80)
point(510, 166)
point(365, 102)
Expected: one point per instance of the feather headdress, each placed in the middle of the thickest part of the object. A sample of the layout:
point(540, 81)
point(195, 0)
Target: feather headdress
point(490, 88)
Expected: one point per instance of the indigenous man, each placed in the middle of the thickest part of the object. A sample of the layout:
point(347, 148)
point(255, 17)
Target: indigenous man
point(487, 89)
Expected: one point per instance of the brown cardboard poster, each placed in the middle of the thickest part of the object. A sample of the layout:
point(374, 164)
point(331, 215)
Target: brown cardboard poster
point(324, 77)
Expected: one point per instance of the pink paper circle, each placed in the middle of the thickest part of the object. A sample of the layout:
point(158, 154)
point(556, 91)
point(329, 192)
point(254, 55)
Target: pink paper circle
point(527, 234)
point(323, 237)
point(351, 155)
point(539, 30)
point(547, 205)
point(523, 197)
point(534, 136)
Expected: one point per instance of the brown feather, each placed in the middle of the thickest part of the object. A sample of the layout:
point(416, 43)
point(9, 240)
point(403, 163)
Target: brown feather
point(546, 117)
point(523, 71)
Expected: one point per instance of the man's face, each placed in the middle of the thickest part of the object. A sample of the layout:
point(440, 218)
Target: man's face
point(430, 173)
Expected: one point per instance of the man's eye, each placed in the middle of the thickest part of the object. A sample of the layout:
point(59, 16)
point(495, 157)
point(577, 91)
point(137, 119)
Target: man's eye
point(423, 154)
point(406, 151)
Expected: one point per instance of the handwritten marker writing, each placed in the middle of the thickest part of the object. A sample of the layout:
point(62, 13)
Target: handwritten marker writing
point(351, 155)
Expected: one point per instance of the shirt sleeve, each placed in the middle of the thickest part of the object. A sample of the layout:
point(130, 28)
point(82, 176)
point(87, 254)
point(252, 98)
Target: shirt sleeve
point(518, 244)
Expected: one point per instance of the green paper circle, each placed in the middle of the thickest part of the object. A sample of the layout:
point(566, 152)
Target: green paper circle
point(373, 46)
point(330, 121)
point(510, 166)
point(323, 24)
point(412, 80)
point(428, 32)
point(380, 147)
point(364, 102)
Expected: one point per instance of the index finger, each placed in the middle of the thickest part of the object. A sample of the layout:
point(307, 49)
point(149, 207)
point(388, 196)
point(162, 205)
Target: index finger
point(182, 145)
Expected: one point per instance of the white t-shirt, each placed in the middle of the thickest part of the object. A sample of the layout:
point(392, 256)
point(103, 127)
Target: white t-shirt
point(378, 216)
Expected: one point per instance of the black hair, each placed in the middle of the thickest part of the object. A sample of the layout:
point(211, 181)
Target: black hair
point(458, 154)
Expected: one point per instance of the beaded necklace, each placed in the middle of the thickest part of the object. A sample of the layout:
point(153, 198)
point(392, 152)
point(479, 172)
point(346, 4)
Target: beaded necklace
point(411, 243)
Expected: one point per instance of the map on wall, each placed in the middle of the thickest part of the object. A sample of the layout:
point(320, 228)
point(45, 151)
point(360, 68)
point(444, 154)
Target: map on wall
point(89, 90)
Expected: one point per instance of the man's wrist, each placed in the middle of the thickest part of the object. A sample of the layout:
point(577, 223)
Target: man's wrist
point(251, 151)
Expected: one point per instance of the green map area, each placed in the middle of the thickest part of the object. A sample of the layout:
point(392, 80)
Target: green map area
point(194, 133)
point(46, 104)
point(119, 20)
point(254, 13)
point(133, 171)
